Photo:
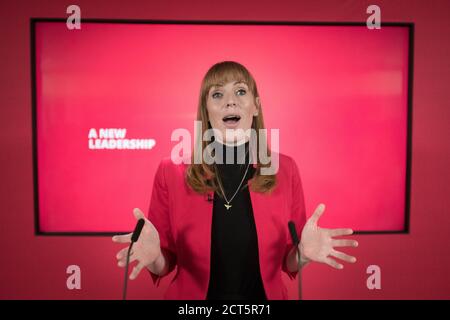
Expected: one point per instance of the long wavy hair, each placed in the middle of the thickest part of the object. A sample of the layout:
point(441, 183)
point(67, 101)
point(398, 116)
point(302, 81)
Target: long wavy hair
point(202, 178)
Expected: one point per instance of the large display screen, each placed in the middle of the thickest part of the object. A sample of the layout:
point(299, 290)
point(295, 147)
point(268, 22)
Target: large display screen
point(108, 97)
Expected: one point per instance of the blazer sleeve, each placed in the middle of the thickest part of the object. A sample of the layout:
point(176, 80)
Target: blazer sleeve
point(297, 212)
point(159, 215)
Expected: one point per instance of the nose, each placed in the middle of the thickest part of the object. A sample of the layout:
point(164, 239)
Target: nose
point(231, 101)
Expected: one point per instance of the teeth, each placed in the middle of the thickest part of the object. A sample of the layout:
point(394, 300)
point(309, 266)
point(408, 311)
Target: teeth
point(231, 116)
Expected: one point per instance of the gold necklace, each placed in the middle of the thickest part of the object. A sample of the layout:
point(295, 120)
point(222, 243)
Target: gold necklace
point(227, 204)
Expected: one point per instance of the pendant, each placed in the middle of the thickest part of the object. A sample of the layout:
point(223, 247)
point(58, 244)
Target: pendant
point(228, 206)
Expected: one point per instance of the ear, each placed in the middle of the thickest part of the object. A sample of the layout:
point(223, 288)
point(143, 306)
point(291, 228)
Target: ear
point(258, 105)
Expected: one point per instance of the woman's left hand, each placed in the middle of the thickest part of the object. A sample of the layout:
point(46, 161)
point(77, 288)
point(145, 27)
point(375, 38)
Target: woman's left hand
point(317, 244)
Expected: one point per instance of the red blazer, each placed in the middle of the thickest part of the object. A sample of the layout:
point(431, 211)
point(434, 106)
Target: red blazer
point(183, 219)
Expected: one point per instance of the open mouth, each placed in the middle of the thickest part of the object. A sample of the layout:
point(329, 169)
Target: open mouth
point(231, 119)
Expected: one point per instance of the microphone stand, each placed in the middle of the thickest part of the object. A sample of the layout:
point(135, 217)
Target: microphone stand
point(125, 280)
point(134, 237)
point(296, 241)
point(299, 274)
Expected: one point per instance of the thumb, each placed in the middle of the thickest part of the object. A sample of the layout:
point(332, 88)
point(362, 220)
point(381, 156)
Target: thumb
point(138, 214)
point(317, 214)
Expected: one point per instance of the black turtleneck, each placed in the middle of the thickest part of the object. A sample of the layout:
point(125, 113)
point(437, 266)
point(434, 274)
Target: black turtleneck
point(235, 272)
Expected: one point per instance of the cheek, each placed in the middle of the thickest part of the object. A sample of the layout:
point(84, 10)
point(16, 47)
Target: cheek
point(212, 111)
point(248, 122)
point(214, 117)
point(250, 110)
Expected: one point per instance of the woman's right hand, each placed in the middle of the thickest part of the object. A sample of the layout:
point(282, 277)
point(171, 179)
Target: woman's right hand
point(146, 250)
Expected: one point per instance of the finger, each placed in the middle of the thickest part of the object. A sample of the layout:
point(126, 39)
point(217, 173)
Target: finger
point(123, 262)
point(343, 256)
point(344, 243)
point(126, 238)
point(123, 253)
point(333, 263)
point(138, 214)
point(340, 232)
point(317, 214)
point(136, 271)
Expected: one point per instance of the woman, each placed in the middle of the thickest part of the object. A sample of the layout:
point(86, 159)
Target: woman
point(224, 225)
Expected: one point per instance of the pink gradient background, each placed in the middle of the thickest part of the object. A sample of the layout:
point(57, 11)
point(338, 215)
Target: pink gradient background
point(414, 265)
point(338, 95)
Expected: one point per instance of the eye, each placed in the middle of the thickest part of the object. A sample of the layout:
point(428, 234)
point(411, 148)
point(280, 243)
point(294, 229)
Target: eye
point(242, 91)
point(216, 95)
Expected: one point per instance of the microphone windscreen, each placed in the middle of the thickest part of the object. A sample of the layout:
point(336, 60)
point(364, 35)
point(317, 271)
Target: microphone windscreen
point(137, 230)
point(293, 232)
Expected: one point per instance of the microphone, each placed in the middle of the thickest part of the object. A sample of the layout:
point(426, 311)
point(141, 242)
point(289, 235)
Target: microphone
point(134, 237)
point(296, 241)
point(209, 198)
point(293, 232)
point(137, 230)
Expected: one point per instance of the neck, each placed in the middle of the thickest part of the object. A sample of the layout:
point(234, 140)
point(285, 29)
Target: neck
point(234, 154)
point(232, 144)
